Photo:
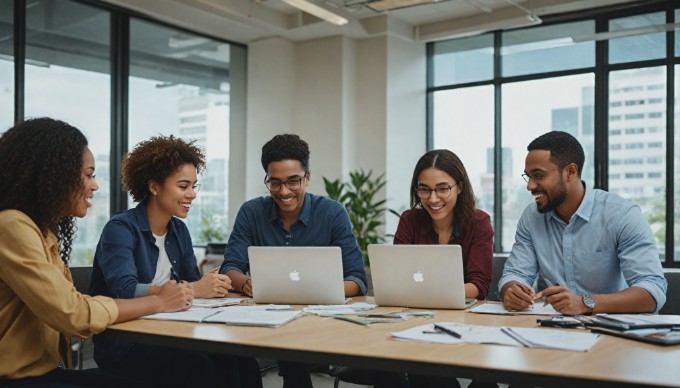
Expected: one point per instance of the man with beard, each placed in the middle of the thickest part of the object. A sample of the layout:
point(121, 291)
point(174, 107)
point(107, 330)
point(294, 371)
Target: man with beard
point(290, 216)
point(594, 249)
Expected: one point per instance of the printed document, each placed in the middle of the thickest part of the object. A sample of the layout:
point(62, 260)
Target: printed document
point(498, 308)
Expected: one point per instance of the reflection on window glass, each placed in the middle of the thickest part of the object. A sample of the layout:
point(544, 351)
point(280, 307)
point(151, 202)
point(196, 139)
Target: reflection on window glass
point(463, 60)
point(530, 109)
point(67, 78)
point(637, 170)
point(179, 85)
point(677, 34)
point(543, 49)
point(676, 218)
point(636, 47)
point(6, 65)
point(457, 114)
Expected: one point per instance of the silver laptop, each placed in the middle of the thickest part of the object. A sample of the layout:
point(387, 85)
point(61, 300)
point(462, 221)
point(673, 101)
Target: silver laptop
point(424, 276)
point(297, 275)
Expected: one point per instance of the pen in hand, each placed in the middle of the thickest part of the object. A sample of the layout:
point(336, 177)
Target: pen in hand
point(448, 331)
point(545, 297)
point(174, 276)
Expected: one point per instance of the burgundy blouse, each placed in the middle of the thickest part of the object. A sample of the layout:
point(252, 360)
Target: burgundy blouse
point(415, 227)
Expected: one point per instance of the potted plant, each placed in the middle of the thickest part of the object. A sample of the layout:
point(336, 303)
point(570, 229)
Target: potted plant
point(365, 211)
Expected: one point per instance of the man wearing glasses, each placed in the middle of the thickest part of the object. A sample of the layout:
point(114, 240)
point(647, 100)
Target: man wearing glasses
point(594, 249)
point(291, 216)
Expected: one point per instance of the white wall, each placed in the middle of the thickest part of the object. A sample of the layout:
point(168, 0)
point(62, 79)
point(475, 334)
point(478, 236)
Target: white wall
point(358, 103)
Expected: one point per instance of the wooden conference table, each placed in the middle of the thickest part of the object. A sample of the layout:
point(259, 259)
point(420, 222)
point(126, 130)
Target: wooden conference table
point(320, 340)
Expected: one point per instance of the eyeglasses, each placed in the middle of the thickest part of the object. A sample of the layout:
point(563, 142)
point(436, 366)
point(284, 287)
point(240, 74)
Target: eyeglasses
point(293, 184)
point(442, 192)
point(536, 176)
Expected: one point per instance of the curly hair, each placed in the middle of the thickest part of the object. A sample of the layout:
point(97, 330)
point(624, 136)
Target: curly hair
point(41, 172)
point(285, 147)
point(448, 162)
point(564, 149)
point(154, 160)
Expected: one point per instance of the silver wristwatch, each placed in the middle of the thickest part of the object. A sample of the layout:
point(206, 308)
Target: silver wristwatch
point(589, 302)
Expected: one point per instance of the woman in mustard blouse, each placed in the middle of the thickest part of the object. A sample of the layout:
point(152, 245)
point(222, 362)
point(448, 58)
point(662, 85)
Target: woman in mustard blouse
point(46, 180)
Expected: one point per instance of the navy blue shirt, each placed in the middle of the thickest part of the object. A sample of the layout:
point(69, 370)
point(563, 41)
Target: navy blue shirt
point(322, 222)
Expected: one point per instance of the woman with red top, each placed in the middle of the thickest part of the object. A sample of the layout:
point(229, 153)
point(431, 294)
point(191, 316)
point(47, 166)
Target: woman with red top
point(443, 212)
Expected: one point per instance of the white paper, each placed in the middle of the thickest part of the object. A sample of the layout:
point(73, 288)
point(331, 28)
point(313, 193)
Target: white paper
point(498, 308)
point(330, 310)
point(535, 337)
point(191, 315)
point(215, 302)
point(254, 316)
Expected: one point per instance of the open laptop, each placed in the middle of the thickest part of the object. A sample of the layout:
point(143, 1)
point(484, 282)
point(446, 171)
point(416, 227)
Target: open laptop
point(424, 276)
point(297, 275)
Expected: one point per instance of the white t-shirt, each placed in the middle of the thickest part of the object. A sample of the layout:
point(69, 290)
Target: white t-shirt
point(163, 267)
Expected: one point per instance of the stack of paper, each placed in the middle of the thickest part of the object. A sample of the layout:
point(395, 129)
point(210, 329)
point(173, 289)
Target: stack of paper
point(512, 336)
point(215, 302)
point(498, 308)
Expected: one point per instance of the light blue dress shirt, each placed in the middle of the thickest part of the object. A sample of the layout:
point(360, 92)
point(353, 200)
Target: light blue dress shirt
point(607, 246)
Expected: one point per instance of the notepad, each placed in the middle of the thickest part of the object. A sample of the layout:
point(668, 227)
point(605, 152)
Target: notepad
point(269, 316)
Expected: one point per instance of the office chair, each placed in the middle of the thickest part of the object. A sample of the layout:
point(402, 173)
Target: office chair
point(496, 273)
point(81, 280)
point(672, 305)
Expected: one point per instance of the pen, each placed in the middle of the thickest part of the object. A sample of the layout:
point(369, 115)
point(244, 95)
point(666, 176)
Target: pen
point(447, 331)
point(549, 284)
point(174, 275)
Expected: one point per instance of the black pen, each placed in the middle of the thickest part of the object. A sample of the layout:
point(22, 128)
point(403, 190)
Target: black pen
point(174, 275)
point(447, 331)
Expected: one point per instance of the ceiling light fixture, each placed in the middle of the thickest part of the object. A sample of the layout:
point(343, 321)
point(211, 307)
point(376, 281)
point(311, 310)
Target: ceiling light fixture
point(388, 5)
point(318, 11)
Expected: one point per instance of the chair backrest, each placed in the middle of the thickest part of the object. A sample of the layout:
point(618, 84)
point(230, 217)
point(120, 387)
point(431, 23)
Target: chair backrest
point(214, 256)
point(672, 305)
point(81, 278)
point(496, 273)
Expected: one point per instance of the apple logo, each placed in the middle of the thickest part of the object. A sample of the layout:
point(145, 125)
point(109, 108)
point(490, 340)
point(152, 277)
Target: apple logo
point(418, 277)
point(294, 276)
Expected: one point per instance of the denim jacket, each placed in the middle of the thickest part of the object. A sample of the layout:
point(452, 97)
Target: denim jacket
point(125, 264)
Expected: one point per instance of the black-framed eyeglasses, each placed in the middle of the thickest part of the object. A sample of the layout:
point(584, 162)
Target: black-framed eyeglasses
point(442, 192)
point(536, 176)
point(293, 184)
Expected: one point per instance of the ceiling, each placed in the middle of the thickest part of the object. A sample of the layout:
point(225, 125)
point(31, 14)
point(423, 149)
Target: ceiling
point(245, 21)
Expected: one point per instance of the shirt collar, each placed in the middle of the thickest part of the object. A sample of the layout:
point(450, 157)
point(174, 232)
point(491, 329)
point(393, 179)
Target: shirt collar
point(143, 219)
point(305, 213)
point(585, 209)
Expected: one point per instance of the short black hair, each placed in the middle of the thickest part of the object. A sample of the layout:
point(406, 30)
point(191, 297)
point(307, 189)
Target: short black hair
point(564, 149)
point(285, 147)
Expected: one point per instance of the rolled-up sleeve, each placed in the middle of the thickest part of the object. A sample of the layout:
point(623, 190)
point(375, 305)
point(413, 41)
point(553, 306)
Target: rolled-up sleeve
point(639, 256)
point(352, 260)
point(522, 264)
point(241, 237)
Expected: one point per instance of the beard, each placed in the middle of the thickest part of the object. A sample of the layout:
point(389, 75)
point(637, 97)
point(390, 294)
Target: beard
point(556, 198)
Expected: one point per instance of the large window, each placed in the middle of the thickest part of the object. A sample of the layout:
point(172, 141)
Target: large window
point(67, 78)
point(186, 95)
point(79, 64)
point(529, 110)
point(551, 78)
point(6, 65)
point(637, 142)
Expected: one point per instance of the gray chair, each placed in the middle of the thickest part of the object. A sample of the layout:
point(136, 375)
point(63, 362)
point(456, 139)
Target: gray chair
point(496, 273)
point(81, 280)
point(672, 305)
point(214, 256)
